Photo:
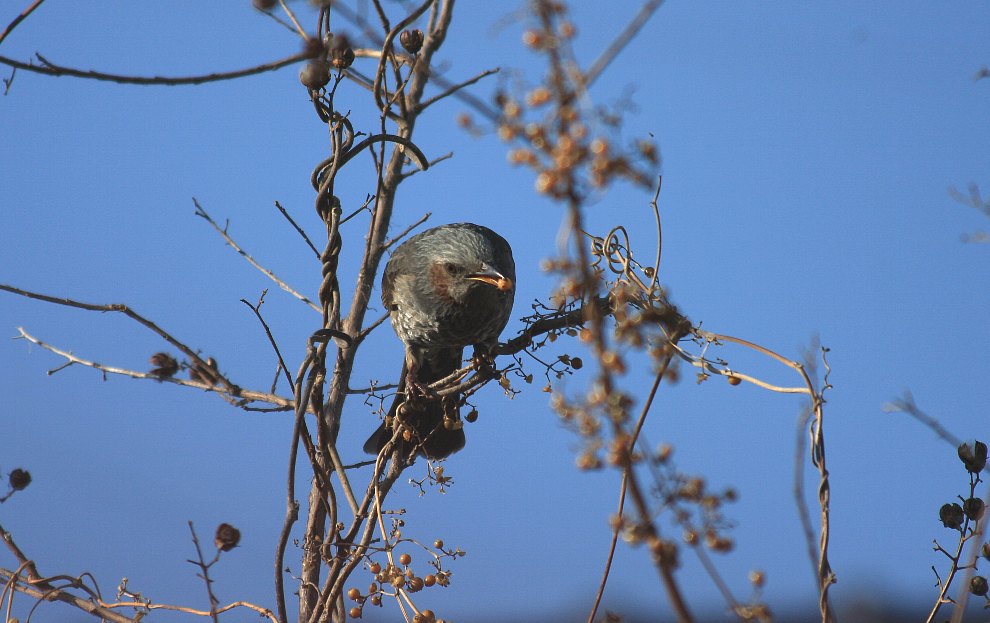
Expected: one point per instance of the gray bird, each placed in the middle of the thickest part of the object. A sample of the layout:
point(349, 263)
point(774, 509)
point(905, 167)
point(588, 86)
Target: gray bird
point(446, 288)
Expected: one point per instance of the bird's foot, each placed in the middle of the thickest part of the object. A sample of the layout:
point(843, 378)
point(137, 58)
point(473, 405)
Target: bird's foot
point(483, 361)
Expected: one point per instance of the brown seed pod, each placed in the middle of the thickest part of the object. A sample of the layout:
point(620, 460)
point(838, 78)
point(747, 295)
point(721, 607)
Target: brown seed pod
point(227, 537)
point(315, 75)
point(19, 479)
point(342, 57)
point(165, 365)
point(411, 40)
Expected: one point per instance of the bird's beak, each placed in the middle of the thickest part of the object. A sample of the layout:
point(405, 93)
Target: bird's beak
point(492, 277)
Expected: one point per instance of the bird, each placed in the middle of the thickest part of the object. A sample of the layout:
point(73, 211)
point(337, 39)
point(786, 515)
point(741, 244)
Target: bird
point(446, 288)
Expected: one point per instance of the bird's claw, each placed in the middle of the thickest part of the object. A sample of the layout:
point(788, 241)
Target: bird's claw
point(483, 362)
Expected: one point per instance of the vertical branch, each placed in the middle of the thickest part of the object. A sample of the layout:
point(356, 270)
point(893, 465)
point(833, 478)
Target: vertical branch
point(321, 605)
point(204, 568)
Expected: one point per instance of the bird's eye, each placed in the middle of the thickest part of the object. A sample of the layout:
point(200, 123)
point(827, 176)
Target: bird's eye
point(451, 268)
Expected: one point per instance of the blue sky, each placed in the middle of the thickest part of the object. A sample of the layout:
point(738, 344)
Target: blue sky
point(807, 149)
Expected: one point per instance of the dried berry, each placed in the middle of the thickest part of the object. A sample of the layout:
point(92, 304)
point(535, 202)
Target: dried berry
point(411, 40)
point(19, 479)
point(227, 537)
point(974, 507)
point(165, 365)
point(405, 559)
point(315, 75)
point(978, 586)
point(974, 456)
point(951, 515)
point(354, 594)
point(355, 612)
point(341, 57)
point(264, 5)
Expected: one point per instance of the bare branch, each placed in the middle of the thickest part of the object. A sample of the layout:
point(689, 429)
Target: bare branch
point(402, 234)
point(620, 42)
point(265, 612)
point(292, 18)
point(20, 18)
point(299, 229)
point(457, 87)
point(240, 398)
point(51, 69)
point(200, 212)
point(41, 589)
point(624, 485)
point(127, 311)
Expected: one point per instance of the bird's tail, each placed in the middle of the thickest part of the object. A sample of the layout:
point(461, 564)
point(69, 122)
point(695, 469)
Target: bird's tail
point(434, 423)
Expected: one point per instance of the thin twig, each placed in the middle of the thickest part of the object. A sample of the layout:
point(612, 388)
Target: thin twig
point(204, 568)
point(620, 42)
point(193, 356)
point(200, 212)
point(907, 405)
point(367, 330)
point(51, 69)
point(23, 560)
point(975, 550)
point(412, 172)
point(622, 488)
point(41, 590)
point(299, 229)
point(798, 490)
point(240, 398)
point(457, 87)
point(292, 18)
point(265, 612)
point(20, 18)
point(402, 234)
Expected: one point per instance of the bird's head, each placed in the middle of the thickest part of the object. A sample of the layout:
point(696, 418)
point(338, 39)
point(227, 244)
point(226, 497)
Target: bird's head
point(457, 278)
point(472, 263)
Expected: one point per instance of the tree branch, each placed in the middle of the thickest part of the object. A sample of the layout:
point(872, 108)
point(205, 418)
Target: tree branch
point(51, 69)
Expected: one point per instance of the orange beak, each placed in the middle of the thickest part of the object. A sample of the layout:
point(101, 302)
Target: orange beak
point(492, 277)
